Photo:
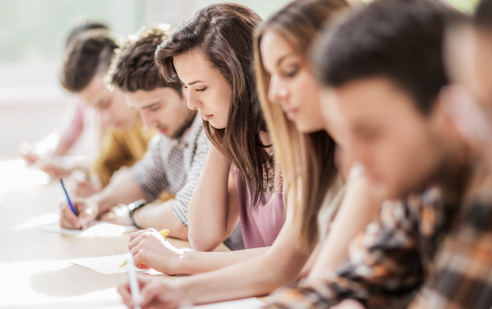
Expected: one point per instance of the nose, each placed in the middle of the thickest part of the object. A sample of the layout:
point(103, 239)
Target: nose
point(276, 91)
point(148, 119)
point(193, 102)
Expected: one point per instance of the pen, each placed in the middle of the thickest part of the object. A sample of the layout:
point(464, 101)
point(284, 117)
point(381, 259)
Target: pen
point(68, 198)
point(163, 233)
point(132, 277)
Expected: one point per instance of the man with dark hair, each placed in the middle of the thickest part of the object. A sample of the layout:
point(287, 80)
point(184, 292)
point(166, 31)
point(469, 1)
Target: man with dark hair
point(175, 157)
point(87, 59)
point(123, 141)
point(383, 74)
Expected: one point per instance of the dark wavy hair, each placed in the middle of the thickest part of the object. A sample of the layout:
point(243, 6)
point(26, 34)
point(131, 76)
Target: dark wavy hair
point(224, 34)
point(483, 15)
point(133, 67)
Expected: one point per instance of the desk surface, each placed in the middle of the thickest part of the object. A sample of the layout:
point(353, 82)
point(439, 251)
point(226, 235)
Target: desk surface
point(34, 272)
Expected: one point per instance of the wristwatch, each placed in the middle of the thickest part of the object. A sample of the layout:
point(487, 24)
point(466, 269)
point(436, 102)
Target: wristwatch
point(134, 207)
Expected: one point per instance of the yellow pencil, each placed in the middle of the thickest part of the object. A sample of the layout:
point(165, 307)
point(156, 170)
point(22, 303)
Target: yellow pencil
point(163, 233)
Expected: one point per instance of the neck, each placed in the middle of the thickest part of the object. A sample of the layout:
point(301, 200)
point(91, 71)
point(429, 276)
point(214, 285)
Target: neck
point(454, 173)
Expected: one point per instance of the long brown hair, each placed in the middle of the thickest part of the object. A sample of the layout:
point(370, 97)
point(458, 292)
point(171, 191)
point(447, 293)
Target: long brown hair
point(224, 33)
point(307, 160)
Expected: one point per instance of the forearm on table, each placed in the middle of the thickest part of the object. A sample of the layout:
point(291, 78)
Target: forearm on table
point(254, 277)
point(257, 276)
point(161, 216)
point(124, 191)
point(208, 209)
point(193, 262)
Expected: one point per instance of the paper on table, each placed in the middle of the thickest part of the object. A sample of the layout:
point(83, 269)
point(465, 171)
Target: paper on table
point(247, 303)
point(108, 264)
point(96, 230)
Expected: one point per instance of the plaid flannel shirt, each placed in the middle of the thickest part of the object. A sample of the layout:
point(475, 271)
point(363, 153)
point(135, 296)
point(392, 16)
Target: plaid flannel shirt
point(421, 249)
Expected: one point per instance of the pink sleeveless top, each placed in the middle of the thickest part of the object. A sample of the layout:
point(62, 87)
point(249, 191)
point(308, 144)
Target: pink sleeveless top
point(260, 225)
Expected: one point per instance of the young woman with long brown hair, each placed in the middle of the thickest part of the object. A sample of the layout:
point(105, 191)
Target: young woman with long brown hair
point(281, 263)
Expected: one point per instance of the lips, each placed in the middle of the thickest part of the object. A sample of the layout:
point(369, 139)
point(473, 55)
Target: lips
point(207, 117)
point(291, 113)
point(163, 131)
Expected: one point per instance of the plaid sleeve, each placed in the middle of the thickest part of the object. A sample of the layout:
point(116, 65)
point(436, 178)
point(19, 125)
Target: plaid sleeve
point(462, 277)
point(183, 196)
point(149, 173)
point(383, 264)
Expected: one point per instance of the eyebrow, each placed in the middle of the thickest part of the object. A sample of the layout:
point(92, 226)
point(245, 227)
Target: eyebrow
point(195, 82)
point(151, 105)
point(279, 61)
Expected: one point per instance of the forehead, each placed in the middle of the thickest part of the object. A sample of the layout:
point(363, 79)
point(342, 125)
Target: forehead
point(95, 91)
point(192, 66)
point(374, 99)
point(273, 47)
point(141, 98)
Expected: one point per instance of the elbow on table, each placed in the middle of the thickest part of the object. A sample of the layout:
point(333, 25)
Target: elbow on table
point(201, 241)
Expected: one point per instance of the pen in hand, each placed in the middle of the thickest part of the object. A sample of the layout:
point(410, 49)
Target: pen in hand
point(68, 198)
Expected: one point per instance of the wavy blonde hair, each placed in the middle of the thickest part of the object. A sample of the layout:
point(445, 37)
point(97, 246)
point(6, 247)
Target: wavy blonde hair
point(307, 161)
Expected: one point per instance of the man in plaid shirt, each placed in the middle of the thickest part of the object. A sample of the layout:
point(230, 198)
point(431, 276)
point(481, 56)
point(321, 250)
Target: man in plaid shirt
point(431, 246)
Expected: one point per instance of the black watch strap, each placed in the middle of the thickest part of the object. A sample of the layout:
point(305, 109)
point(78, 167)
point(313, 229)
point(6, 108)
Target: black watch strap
point(134, 207)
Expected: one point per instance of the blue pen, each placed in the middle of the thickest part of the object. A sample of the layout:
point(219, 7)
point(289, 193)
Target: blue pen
point(69, 201)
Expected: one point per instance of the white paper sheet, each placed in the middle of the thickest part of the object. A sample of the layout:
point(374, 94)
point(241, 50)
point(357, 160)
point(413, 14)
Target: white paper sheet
point(108, 264)
point(247, 303)
point(98, 229)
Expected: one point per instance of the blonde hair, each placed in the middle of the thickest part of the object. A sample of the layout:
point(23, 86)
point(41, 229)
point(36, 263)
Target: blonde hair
point(306, 160)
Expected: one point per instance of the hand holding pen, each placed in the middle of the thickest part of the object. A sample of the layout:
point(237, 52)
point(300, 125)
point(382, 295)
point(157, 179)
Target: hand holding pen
point(77, 213)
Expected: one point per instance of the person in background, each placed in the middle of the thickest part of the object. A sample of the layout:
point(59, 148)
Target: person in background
point(86, 62)
point(47, 153)
point(430, 246)
point(175, 157)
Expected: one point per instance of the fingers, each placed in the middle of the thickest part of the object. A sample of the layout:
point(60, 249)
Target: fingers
point(85, 217)
point(67, 218)
point(125, 293)
point(138, 258)
point(150, 291)
point(136, 235)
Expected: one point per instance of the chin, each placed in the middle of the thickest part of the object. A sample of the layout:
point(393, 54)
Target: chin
point(307, 126)
point(217, 126)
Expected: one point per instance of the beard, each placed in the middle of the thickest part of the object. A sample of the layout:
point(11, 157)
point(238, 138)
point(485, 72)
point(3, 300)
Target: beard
point(184, 126)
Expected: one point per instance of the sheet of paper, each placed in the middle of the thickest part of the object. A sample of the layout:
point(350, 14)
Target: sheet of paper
point(108, 264)
point(98, 229)
point(247, 303)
